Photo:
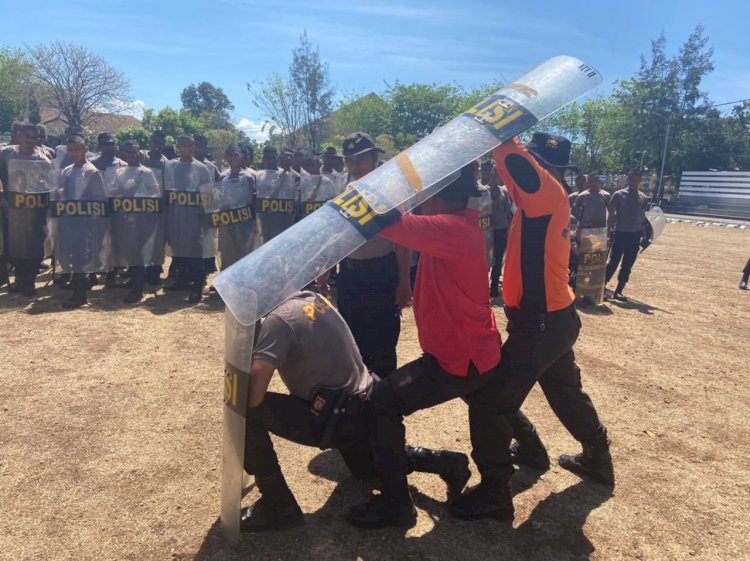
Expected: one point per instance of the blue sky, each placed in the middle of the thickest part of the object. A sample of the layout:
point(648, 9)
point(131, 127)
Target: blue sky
point(163, 46)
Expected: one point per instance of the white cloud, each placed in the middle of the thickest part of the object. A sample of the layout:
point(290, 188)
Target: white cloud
point(252, 129)
point(134, 108)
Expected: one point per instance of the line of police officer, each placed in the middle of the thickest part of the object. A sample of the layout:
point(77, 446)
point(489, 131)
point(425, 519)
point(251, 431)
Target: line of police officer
point(108, 214)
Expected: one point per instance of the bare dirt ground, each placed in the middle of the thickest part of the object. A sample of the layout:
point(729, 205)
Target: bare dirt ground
point(110, 433)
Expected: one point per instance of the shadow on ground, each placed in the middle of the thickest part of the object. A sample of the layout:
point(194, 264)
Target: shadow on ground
point(554, 529)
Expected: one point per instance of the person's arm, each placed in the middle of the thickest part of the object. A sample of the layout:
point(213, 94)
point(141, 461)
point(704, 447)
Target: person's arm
point(612, 216)
point(431, 235)
point(260, 376)
point(527, 181)
point(274, 343)
point(403, 291)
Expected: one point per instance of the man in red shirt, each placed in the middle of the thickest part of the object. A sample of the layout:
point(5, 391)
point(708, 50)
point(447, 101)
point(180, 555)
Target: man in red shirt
point(542, 325)
point(460, 341)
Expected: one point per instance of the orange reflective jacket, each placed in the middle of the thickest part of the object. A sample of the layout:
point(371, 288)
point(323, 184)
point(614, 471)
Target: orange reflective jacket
point(536, 262)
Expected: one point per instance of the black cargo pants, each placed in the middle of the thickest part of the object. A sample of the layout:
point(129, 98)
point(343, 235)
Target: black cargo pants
point(539, 348)
point(625, 247)
point(367, 302)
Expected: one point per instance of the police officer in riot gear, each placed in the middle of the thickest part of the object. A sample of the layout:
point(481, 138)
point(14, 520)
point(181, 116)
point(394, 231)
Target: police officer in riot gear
point(309, 344)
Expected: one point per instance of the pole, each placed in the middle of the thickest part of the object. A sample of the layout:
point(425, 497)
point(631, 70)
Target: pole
point(660, 190)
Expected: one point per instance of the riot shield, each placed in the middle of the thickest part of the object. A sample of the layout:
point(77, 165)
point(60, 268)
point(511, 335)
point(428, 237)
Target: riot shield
point(186, 187)
point(137, 206)
point(338, 180)
point(238, 350)
point(484, 205)
point(592, 264)
point(655, 224)
point(230, 211)
point(315, 244)
point(29, 185)
point(81, 211)
point(276, 202)
point(316, 190)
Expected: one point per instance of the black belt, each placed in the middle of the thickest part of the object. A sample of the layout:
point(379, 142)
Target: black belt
point(385, 263)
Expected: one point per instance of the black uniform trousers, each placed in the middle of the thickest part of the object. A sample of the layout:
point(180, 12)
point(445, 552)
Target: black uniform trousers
point(539, 348)
point(190, 270)
point(746, 272)
point(499, 243)
point(367, 302)
point(289, 417)
point(625, 247)
point(421, 384)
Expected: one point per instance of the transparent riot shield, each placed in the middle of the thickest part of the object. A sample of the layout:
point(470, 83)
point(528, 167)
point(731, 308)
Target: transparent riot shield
point(276, 201)
point(316, 190)
point(80, 209)
point(592, 263)
point(484, 205)
point(654, 227)
point(186, 185)
point(338, 180)
point(230, 211)
point(238, 350)
point(29, 185)
point(321, 240)
point(137, 206)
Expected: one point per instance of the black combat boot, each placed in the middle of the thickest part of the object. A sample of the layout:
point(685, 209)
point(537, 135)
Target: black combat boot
point(393, 507)
point(490, 499)
point(530, 454)
point(277, 509)
point(78, 299)
point(595, 462)
point(452, 467)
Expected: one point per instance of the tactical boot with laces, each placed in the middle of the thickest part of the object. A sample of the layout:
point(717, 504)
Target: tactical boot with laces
point(489, 499)
point(595, 463)
point(530, 456)
point(277, 509)
point(452, 467)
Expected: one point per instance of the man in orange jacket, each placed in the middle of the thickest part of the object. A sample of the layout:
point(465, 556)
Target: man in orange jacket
point(542, 327)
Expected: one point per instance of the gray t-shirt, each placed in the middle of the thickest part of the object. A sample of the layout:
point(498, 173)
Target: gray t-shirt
point(311, 346)
point(500, 207)
point(590, 209)
point(629, 207)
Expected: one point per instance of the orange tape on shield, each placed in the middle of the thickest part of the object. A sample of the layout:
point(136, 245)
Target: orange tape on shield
point(411, 173)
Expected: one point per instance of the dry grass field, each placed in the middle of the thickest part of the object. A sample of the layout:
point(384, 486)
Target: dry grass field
point(110, 434)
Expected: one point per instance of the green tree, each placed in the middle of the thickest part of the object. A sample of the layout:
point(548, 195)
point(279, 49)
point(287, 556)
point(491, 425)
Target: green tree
point(208, 103)
point(313, 86)
point(172, 123)
point(134, 132)
point(418, 109)
point(17, 87)
point(279, 101)
point(666, 92)
point(370, 114)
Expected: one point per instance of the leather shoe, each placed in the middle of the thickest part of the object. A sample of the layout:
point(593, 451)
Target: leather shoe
point(265, 517)
point(594, 463)
point(485, 501)
point(382, 511)
point(526, 456)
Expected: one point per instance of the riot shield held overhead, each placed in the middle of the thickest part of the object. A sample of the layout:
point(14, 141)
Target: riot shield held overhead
point(29, 185)
point(137, 220)
point(314, 245)
point(276, 201)
point(230, 211)
point(592, 264)
point(315, 191)
point(81, 211)
point(238, 350)
point(186, 187)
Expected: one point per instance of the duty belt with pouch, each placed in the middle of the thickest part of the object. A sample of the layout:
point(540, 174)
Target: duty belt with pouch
point(327, 408)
